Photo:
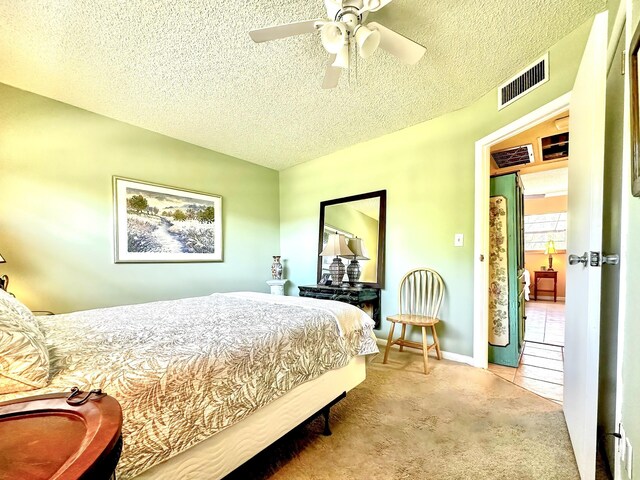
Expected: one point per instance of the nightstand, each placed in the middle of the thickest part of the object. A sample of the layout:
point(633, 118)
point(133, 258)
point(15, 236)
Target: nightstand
point(44, 436)
point(537, 275)
point(361, 297)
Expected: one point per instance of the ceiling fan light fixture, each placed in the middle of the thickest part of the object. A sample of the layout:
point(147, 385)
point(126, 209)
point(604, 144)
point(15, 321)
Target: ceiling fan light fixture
point(370, 5)
point(344, 20)
point(368, 41)
point(342, 57)
point(333, 36)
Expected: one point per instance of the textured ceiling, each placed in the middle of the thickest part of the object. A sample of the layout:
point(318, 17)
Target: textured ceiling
point(550, 182)
point(188, 69)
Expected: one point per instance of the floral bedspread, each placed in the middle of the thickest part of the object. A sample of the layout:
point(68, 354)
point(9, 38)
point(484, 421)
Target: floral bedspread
point(184, 370)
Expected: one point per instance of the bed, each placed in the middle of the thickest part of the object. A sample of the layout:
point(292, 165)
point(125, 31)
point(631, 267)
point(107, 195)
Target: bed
point(204, 383)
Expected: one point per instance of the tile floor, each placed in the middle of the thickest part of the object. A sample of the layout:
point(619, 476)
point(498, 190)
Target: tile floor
point(541, 364)
point(544, 322)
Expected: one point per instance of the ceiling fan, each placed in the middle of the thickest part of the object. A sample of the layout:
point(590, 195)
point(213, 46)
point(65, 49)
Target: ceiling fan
point(344, 23)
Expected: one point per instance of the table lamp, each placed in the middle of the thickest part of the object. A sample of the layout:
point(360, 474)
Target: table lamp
point(336, 247)
point(550, 250)
point(356, 245)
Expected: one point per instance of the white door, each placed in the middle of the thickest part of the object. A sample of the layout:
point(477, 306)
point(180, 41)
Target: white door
point(584, 235)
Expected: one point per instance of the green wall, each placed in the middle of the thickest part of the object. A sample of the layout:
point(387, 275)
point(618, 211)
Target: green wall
point(428, 172)
point(631, 331)
point(611, 244)
point(630, 280)
point(56, 213)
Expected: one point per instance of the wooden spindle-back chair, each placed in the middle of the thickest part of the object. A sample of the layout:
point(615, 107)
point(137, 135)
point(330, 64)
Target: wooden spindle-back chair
point(419, 299)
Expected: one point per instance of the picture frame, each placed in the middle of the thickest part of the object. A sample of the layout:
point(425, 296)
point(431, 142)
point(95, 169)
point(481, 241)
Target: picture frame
point(156, 223)
point(635, 112)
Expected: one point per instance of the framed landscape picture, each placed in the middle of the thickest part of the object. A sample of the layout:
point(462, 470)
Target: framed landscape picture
point(156, 223)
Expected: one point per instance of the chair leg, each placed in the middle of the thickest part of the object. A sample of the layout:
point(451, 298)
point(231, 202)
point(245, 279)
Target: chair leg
point(435, 340)
point(404, 329)
point(425, 350)
point(389, 342)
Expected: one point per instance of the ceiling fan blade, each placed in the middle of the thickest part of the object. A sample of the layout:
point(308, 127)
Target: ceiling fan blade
point(333, 7)
point(283, 31)
point(333, 4)
point(406, 50)
point(374, 5)
point(332, 74)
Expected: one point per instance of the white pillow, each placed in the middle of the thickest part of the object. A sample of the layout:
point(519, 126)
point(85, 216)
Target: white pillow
point(24, 358)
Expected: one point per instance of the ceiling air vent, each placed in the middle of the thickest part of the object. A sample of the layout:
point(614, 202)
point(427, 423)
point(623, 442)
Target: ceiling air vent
point(513, 156)
point(528, 79)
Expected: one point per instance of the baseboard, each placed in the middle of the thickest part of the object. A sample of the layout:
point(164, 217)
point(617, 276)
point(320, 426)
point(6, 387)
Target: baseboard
point(454, 357)
point(540, 297)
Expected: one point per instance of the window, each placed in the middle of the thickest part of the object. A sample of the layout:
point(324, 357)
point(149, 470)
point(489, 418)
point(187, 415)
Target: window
point(538, 229)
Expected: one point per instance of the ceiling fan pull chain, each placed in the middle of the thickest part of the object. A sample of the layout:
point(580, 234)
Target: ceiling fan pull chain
point(355, 63)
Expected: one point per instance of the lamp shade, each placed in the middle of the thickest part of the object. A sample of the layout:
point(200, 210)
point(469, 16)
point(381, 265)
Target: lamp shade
point(367, 40)
point(333, 36)
point(342, 57)
point(550, 248)
point(336, 246)
point(356, 245)
point(2, 260)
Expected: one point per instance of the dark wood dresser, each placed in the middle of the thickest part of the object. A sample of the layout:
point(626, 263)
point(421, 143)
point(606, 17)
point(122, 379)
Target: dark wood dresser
point(361, 297)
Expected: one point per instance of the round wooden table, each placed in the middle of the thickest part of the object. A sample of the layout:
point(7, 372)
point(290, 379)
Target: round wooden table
point(44, 437)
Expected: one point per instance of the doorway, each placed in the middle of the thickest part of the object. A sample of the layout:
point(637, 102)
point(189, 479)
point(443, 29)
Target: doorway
point(528, 243)
point(549, 112)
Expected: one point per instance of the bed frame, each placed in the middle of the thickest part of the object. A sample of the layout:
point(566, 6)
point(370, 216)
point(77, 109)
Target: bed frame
point(224, 452)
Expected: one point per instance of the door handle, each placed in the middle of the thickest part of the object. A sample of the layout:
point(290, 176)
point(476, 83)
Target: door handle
point(575, 259)
point(596, 259)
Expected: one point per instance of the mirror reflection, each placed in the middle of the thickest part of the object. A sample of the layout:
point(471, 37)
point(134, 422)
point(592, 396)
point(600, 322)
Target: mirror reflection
point(358, 223)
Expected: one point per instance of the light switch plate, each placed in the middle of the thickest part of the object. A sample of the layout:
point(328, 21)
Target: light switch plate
point(458, 240)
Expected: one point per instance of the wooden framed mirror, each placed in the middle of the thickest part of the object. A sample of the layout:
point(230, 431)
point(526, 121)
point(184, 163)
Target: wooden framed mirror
point(362, 216)
point(635, 112)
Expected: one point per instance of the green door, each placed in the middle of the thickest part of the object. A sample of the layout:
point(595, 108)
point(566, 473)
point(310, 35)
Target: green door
point(506, 328)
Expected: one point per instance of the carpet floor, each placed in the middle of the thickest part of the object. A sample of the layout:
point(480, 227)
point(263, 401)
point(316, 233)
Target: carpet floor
point(458, 422)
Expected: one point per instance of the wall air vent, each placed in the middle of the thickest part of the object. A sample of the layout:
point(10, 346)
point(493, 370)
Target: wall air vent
point(527, 80)
point(513, 156)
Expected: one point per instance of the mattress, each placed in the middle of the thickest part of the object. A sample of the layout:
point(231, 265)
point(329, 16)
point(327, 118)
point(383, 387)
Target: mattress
point(222, 453)
point(187, 369)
